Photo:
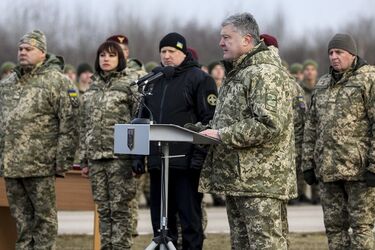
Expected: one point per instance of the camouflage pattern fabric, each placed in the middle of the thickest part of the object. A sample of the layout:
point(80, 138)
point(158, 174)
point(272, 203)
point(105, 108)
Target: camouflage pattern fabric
point(109, 100)
point(348, 204)
point(299, 110)
point(256, 223)
point(135, 70)
point(32, 203)
point(113, 187)
point(38, 121)
point(315, 197)
point(338, 137)
point(339, 146)
point(254, 116)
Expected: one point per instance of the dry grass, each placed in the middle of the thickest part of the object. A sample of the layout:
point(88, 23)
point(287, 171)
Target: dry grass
point(313, 241)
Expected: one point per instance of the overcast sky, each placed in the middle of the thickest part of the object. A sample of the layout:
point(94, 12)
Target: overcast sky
point(301, 16)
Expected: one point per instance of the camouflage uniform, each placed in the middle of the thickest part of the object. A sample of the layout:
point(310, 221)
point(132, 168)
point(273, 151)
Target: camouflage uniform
point(315, 197)
point(299, 107)
point(38, 136)
point(135, 70)
point(254, 166)
point(339, 146)
point(109, 100)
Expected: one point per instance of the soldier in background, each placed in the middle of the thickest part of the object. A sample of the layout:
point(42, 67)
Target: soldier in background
point(108, 101)
point(84, 74)
point(217, 72)
point(296, 69)
point(38, 136)
point(310, 78)
point(339, 146)
point(254, 165)
point(70, 72)
point(6, 69)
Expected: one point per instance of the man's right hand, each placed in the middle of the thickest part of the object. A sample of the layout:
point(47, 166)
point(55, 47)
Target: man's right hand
point(309, 176)
point(138, 166)
point(85, 171)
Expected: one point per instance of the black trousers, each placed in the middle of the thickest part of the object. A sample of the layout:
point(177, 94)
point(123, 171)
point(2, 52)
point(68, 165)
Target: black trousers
point(184, 201)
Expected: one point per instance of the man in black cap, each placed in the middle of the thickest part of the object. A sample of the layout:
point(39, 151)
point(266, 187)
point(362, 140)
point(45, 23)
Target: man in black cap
point(189, 96)
point(339, 146)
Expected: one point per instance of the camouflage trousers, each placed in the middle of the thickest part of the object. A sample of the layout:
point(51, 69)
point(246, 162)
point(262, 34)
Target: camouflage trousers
point(32, 203)
point(256, 223)
point(348, 204)
point(142, 183)
point(113, 188)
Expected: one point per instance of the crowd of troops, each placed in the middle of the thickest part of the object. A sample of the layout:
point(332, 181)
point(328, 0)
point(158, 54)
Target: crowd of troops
point(279, 128)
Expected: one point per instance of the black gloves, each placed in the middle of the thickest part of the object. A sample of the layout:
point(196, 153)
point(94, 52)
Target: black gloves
point(309, 176)
point(370, 178)
point(138, 166)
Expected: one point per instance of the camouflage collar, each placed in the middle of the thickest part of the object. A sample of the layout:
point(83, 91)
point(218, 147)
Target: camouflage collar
point(244, 60)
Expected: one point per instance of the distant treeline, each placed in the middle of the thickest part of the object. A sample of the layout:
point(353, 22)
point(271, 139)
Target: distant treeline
point(76, 36)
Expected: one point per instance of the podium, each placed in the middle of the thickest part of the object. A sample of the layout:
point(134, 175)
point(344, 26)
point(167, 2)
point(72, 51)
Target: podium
point(134, 139)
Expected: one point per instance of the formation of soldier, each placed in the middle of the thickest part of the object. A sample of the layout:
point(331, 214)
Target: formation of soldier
point(278, 129)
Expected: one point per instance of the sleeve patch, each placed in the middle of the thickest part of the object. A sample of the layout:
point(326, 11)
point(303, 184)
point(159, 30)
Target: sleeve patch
point(73, 96)
point(211, 99)
point(271, 102)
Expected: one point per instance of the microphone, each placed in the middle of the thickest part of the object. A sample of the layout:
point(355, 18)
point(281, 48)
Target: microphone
point(156, 73)
point(145, 77)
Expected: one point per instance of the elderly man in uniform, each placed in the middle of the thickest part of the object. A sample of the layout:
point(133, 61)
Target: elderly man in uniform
point(38, 136)
point(254, 165)
point(339, 146)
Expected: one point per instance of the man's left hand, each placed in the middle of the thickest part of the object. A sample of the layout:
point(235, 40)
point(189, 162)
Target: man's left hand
point(211, 133)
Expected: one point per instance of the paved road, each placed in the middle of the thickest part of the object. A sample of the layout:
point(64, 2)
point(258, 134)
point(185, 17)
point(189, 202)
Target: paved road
point(301, 219)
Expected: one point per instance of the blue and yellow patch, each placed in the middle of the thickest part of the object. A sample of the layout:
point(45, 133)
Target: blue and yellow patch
point(179, 45)
point(301, 102)
point(73, 96)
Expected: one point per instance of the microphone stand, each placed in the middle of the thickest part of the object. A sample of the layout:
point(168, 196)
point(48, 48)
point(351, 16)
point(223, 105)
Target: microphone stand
point(163, 240)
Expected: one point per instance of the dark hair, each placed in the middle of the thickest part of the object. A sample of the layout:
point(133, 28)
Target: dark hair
point(110, 46)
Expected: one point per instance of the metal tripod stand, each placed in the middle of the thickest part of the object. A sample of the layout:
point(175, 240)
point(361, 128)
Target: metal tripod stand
point(163, 240)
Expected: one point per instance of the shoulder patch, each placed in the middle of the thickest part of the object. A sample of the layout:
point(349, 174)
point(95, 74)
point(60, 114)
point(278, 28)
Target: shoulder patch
point(73, 96)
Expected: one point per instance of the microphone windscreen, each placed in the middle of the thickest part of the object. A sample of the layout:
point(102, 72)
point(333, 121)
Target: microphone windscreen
point(157, 69)
point(168, 71)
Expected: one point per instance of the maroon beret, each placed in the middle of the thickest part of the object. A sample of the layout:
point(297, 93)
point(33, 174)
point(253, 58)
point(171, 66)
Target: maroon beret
point(119, 39)
point(269, 40)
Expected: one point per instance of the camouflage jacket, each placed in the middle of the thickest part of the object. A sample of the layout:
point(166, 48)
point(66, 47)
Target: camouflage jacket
point(308, 91)
point(339, 131)
point(299, 114)
point(254, 117)
point(38, 121)
point(108, 101)
point(135, 69)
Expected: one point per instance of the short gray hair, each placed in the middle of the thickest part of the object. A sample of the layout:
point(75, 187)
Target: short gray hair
point(245, 24)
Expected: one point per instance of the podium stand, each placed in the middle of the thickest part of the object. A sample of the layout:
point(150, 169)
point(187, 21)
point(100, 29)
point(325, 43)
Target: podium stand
point(134, 139)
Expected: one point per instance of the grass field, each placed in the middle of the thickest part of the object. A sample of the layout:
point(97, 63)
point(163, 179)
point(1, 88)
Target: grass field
point(314, 241)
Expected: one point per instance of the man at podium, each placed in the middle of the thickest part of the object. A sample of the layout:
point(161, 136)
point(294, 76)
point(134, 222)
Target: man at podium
point(254, 165)
point(189, 96)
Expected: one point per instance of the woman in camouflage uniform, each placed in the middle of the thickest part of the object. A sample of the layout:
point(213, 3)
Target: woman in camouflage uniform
point(109, 100)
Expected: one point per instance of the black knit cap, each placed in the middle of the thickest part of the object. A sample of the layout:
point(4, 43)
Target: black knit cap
point(343, 41)
point(174, 40)
point(84, 67)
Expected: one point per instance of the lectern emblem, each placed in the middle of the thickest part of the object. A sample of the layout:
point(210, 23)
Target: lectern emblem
point(131, 132)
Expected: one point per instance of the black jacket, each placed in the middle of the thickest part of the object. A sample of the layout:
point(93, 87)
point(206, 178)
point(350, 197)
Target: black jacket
point(188, 97)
